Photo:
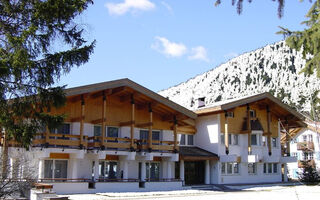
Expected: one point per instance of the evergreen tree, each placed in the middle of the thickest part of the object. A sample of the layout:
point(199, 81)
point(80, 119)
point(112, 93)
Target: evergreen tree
point(29, 64)
point(309, 174)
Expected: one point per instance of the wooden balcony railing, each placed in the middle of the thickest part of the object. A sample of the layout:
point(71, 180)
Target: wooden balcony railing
point(305, 146)
point(73, 141)
point(308, 162)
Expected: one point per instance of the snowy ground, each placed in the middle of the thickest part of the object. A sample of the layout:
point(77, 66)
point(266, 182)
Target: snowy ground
point(265, 192)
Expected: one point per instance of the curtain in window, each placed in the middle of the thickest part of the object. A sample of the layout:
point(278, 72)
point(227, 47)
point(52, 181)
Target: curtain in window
point(48, 167)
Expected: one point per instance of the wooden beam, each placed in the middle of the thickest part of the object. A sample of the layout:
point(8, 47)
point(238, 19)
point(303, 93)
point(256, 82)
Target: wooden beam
point(97, 121)
point(226, 134)
point(75, 119)
point(187, 130)
point(127, 123)
point(175, 132)
point(189, 121)
point(249, 129)
point(47, 134)
point(82, 119)
point(287, 138)
point(150, 128)
point(269, 130)
point(132, 123)
point(103, 119)
point(143, 125)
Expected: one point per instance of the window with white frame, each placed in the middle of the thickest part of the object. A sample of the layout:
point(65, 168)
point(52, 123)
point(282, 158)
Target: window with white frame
point(270, 168)
point(252, 168)
point(230, 114)
point(264, 140)
point(108, 169)
point(186, 140)
point(233, 139)
point(62, 129)
point(253, 114)
point(254, 139)
point(55, 168)
point(304, 137)
point(310, 138)
point(97, 130)
point(182, 139)
point(229, 168)
point(112, 132)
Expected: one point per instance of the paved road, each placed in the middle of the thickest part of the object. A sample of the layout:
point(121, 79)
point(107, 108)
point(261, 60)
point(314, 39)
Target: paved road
point(244, 193)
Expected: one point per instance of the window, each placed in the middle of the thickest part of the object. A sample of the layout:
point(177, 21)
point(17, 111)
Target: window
point(252, 114)
point(144, 135)
point(269, 168)
point(55, 168)
point(252, 168)
point(230, 114)
point(275, 168)
point(190, 139)
point(254, 139)
point(229, 138)
point(229, 168)
point(274, 142)
point(235, 140)
point(186, 140)
point(310, 138)
point(112, 132)
point(62, 129)
point(153, 170)
point(304, 137)
point(108, 169)
point(222, 138)
point(310, 156)
point(97, 131)
point(182, 139)
point(223, 168)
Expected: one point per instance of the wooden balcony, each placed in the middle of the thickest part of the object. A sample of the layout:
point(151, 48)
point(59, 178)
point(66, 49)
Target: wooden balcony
point(305, 146)
point(309, 162)
point(95, 142)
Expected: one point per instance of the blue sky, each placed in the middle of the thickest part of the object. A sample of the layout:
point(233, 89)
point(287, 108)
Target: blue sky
point(165, 42)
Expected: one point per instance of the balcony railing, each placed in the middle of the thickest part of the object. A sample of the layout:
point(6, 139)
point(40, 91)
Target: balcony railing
point(95, 142)
point(308, 163)
point(305, 146)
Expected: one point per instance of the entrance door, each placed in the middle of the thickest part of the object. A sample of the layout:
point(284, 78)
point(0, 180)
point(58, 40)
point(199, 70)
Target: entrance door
point(194, 172)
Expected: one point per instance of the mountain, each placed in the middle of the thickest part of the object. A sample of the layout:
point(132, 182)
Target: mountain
point(274, 68)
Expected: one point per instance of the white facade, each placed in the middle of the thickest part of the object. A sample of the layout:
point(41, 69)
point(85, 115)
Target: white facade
point(208, 137)
point(309, 136)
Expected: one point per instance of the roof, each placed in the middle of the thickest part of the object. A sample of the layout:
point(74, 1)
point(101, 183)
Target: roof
point(266, 98)
point(196, 153)
point(128, 83)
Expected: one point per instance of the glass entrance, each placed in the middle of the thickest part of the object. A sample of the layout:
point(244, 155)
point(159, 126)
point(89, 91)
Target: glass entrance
point(194, 172)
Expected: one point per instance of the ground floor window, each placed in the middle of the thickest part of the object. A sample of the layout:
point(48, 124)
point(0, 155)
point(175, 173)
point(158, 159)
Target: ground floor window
point(153, 170)
point(55, 168)
point(252, 168)
point(229, 168)
point(108, 169)
point(270, 168)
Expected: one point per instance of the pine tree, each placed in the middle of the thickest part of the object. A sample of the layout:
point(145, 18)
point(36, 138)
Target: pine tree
point(30, 64)
point(309, 174)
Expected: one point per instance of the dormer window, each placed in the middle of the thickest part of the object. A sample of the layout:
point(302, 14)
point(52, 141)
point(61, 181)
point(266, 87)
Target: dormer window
point(201, 102)
point(252, 114)
point(230, 114)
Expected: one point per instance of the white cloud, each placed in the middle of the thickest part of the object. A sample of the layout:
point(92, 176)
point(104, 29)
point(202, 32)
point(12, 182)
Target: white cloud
point(129, 6)
point(199, 53)
point(167, 6)
point(231, 55)
point(172, 49)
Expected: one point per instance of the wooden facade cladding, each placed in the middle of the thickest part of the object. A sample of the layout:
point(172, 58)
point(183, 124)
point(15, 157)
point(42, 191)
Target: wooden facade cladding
point(240, 113)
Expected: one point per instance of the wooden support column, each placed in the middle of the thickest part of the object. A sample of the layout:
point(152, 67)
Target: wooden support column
point(47, 139)
point(132, 123)
point(5, 155)
point(82, 121)
point(150, 129)
point(175, 128)
point(287, 137)
point(103, 125)
point(226, 134)
point(269, 130)
point(249, 129)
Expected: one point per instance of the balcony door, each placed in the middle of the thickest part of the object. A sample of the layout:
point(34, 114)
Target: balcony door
point(55, 169)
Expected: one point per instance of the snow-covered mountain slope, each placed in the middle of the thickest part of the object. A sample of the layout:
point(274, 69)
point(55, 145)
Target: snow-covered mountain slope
point(274, 68)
